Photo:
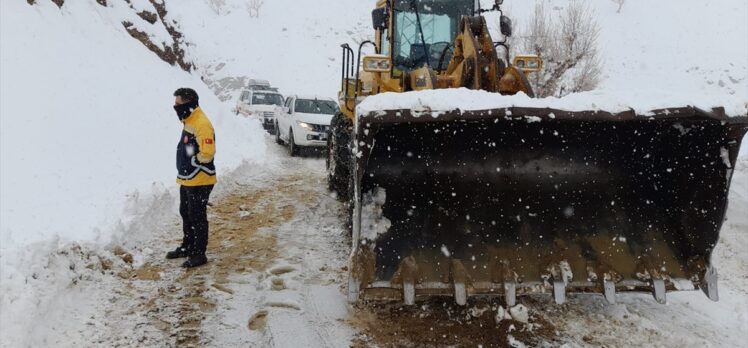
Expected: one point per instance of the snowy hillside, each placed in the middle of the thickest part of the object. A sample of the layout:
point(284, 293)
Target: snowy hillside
point(295, 45)
point(87, 136)
point(87, 120)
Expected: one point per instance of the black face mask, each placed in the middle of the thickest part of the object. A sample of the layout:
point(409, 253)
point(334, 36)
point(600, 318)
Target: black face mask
point(186, 109)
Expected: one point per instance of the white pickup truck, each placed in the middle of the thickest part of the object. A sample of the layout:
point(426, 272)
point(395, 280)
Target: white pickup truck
point(261, 101)
point(305, 122)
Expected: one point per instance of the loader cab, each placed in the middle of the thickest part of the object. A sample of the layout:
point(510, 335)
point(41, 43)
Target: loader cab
point(413, 46)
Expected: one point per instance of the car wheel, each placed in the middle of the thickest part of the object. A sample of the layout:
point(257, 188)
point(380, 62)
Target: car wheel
point(278, 139)
point(293, 150)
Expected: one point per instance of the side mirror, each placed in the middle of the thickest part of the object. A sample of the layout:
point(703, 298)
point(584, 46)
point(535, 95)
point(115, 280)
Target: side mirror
point(506, 26)
point(379, 18)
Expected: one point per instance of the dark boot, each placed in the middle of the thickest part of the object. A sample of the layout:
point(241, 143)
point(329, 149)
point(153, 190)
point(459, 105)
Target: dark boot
point(177, 253)
point(195, 261)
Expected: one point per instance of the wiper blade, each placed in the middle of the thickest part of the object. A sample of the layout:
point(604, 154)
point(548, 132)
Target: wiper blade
point(414, 5)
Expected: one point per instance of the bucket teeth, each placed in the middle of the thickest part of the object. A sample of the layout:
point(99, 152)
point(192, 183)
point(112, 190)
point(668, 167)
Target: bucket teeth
point(408, 272)
point(559, 291)
point(708, 284)
point(658, 286)
point(509, 278)
point(353, 289)
point(561, 275)
point(657, 279)
point(460, 294)
point(409, 293)
point(609, 288)
point(459, 277)
point(510, 291)
point(610, 278)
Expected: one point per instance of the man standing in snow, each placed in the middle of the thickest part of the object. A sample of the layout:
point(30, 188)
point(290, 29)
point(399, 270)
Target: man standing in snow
point(196, 177)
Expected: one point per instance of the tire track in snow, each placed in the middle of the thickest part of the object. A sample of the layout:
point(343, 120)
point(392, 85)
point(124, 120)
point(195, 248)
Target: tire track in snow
point(314, 245)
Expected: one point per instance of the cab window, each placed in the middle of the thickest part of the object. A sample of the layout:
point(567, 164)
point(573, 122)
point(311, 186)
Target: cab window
point(267, 99)
point(316, 106)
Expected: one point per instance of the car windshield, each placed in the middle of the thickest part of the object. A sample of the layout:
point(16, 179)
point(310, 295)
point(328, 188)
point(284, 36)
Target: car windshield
point(267, 99)
point(439, 19)
point(316, 106)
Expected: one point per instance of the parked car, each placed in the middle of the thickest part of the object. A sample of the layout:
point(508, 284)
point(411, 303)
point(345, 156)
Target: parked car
point(260, 100)
point(305, 122)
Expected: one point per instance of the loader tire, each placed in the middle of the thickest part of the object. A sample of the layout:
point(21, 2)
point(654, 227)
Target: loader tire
point(293, 149)
point(339, 156)
point(350, 203)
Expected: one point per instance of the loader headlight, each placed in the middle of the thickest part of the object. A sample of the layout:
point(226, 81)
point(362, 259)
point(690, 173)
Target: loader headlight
point(528, 63)
point(305, 125)
point(377, 64)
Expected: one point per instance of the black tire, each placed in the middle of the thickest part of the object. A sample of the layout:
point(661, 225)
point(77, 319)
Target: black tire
point(278, 139)
point(274, 129)
point(350, 205)
point(293, 149)
point(339, 156)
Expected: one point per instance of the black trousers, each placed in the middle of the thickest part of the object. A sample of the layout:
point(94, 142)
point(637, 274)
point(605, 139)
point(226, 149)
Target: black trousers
point(193, 206)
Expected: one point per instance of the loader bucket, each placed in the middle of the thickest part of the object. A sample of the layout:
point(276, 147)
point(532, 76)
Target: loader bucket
point(521, 201)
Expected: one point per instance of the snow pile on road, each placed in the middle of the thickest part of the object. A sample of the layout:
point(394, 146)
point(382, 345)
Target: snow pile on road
point(87, 141)
point(436, 102)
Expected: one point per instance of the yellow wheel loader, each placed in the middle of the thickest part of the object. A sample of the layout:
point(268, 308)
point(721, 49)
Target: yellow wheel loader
point(485, 202)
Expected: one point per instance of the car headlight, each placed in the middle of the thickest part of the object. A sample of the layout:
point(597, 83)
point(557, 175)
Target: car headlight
point(305, 125)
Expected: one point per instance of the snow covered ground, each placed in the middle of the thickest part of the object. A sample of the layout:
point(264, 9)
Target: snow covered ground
point(86, 149)
point(87, 138)
point(87, 121)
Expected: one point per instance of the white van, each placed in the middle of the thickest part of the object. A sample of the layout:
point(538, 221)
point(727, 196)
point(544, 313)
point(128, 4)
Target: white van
point(261, 101)
point(305, 122)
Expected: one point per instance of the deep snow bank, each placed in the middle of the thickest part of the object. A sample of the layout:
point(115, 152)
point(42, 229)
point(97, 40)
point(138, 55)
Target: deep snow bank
point(87, 142)
point(87, 119)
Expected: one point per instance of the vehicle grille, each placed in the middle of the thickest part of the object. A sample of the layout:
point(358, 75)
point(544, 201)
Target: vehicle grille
point(268, 114)
point(320, 128)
